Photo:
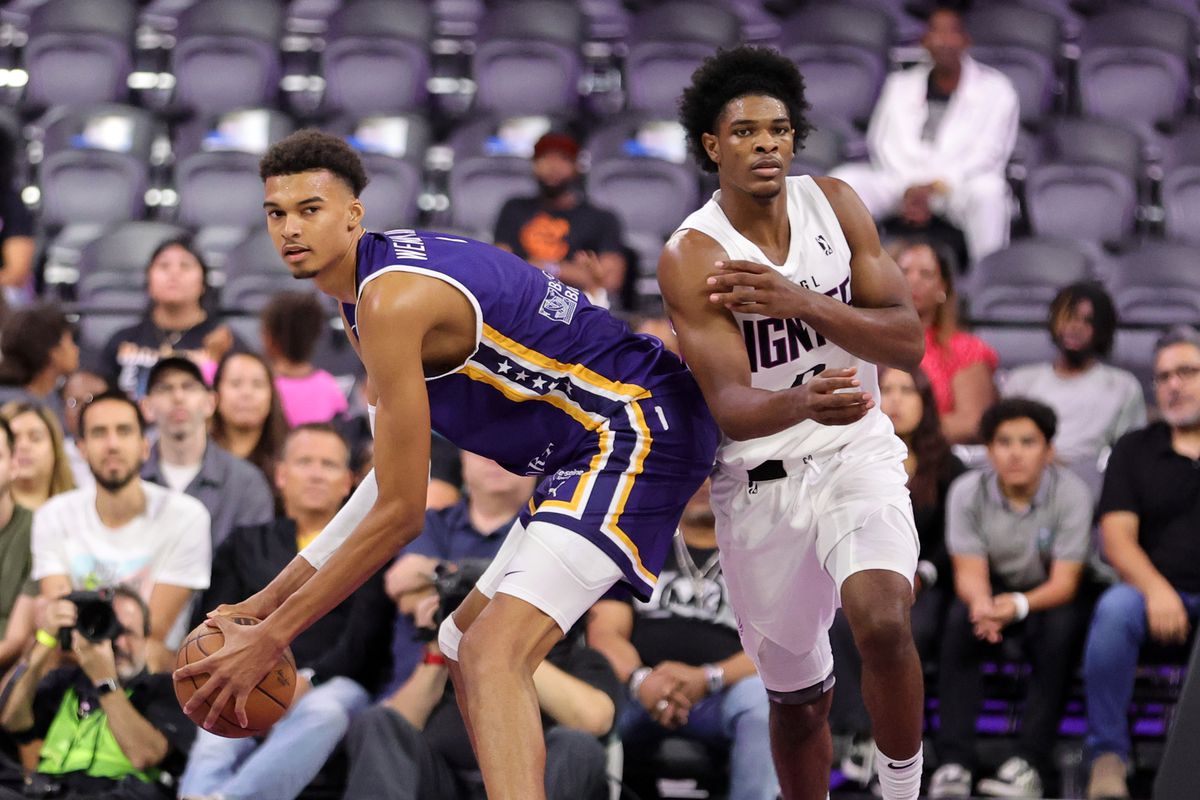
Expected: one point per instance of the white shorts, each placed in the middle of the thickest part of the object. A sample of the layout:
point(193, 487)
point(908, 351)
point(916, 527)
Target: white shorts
point(787, 545)
point(554, 569)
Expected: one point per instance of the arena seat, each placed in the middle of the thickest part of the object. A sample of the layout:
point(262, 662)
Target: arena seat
point(1181, 185)
point(377, 37)
point(1016, 284)
point(393, 150)
point(842, 51)
point(1018, 345)
point(668, 41)
point(527, 57)
point(79, 52)
point(255, 273)
point(227, 55)
point(1157, 283)
point(1134, 65)
point(1024, 44)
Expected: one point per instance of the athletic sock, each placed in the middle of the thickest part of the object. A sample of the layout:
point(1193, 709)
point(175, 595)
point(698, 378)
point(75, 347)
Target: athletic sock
point(899, 779)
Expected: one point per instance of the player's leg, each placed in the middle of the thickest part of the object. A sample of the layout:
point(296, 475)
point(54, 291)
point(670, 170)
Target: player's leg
point(552, 577)
point(801, 743)
point(873, 566)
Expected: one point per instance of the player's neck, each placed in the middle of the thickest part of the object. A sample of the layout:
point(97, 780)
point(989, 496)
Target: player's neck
point(763, 221)
point(338, 279)
point(177, 318)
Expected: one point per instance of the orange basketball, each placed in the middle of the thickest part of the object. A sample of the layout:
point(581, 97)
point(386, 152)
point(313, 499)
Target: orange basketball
point(267, 703)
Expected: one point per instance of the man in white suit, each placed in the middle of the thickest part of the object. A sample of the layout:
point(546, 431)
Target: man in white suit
point(939, 140)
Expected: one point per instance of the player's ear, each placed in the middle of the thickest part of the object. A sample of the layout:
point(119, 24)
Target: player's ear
point(709, 142)
point(356, 213)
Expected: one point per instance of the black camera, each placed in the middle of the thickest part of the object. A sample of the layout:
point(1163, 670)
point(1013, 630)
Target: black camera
point(452, 582)
point(95, 618)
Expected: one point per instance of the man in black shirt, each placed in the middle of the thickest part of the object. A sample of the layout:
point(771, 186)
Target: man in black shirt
point(343, 657)
point(1149, 525)
point(109, 729)
point(559, 230)
point(683, 663)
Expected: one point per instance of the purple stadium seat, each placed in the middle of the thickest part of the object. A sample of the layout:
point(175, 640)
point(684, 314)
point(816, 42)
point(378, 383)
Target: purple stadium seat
point(1018, 346)
point(79, 52)
point(377, 37)
point(1024, 44)
point(1157, 284)
point(527, 60)
point(668, 42)
point(227, 55)
point(1016, 284)
point(842, 51)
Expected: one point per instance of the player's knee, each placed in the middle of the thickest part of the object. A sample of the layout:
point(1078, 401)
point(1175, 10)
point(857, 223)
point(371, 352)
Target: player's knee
point(449, 638)
point(882, 632)
point(483, 651)
point(799, 715)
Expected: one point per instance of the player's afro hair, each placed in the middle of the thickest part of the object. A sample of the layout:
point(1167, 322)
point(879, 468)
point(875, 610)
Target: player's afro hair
point(735, 73)
point(309, 150)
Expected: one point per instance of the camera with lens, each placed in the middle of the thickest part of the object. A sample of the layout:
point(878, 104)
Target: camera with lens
point(95, 618)
point(452, 582)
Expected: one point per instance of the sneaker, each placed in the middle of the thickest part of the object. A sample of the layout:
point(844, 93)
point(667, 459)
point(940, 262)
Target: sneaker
point(1108, 778)
point(858, 764)
point(950, 780)
point(1015, 778)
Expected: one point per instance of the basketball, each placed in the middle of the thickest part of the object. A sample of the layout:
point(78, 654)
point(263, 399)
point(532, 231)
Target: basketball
point(267, 703)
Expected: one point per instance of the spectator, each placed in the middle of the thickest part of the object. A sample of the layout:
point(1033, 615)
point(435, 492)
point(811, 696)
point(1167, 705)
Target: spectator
point(17, 591)
point(39, 350)
point(558, 230)
point(415, 745)
point(908, 401)
point(175, 323)
point(960, 366)
point(471, 529)
point(124, 530)
point(1019, 534)
point(186, 459)
point(17, 244)
point(41, 468)
point(1149, 519)
point(1096, 403)
point(344, 655)
point(292, 324)
point(248, 420)
point(683, 663)
point(77, 391)
point(939, 141)
point(111, 729)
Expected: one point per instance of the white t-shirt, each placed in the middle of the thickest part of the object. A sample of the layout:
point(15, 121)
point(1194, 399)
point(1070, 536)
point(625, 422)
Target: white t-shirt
point(169, 543)
point(179, 478)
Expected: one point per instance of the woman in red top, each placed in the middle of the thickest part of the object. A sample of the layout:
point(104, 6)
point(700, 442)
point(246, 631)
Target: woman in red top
point(960, 366)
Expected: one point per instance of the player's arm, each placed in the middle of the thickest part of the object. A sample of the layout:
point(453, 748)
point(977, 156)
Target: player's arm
point(715, 352)
point(880, 324)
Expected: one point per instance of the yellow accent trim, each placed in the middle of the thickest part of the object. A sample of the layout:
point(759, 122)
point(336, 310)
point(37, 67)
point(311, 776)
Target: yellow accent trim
point(636, 464)
point(630, 391)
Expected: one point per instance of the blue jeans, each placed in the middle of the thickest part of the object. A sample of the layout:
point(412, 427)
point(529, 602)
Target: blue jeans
point(735, 717)
point(285, 761)
point(1119, 628)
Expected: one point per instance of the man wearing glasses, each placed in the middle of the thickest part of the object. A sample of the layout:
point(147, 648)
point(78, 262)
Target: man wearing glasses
point(1149, 516)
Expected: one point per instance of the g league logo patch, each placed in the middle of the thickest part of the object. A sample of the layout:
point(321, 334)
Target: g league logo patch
point(560, 302)
point(824, 245)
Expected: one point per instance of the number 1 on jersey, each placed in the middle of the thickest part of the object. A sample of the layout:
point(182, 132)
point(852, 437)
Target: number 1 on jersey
point(662, 418)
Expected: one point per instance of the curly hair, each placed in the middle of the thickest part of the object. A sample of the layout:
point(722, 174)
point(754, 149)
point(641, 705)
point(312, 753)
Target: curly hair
point(294, 322)
point(735, 73)
point(309, 150)
point(1104, 314)
point(28, 340)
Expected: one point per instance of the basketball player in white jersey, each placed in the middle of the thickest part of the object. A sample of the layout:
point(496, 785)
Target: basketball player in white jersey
point(784, 301)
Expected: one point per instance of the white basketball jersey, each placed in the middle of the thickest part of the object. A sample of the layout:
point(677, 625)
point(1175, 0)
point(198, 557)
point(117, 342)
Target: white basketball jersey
point(785, 353)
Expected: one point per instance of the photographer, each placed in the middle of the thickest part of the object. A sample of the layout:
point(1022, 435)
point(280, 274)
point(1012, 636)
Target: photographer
point(415, 745)
point(109, 729)
point(344, 654)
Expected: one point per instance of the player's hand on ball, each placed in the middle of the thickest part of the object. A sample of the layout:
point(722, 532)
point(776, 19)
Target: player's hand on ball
point(245, 658)
point(751, 288)
point(833, 397)
point(257, 605)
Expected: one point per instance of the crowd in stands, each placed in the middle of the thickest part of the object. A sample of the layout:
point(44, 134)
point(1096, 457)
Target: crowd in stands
point(181, 461)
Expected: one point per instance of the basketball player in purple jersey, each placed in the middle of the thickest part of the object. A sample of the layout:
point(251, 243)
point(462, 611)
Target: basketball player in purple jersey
point(784, 301)
point(504, 361)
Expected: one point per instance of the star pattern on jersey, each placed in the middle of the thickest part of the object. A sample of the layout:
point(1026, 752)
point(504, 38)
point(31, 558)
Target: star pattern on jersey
point(520, 376)
point(539, 382)
point(504, 367)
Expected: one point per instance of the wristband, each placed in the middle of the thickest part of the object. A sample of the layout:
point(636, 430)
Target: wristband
point(437, 659)
point(714, 678)
point(1022, 604)
point(637, 679)
point(46, 639)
